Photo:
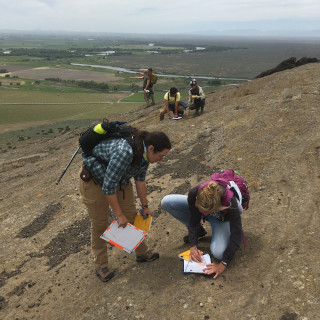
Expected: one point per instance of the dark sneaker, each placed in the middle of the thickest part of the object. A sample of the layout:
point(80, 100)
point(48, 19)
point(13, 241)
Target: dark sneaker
point(201, 233)
point(104, 274)
point(148, 257)
point(153, 104)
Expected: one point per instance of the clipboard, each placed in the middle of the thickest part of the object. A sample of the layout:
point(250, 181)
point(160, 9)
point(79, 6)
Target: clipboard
point(185, 255)
point(141, 223)
point(127, 239)
point(196, 267)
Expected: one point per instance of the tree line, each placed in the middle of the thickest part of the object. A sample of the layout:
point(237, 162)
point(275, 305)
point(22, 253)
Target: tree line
point(83, 84)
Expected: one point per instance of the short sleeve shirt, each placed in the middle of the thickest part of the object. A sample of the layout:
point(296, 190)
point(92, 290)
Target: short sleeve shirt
point(172, 100)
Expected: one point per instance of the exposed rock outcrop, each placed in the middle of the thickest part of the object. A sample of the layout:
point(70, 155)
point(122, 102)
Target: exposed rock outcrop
point(287, 64)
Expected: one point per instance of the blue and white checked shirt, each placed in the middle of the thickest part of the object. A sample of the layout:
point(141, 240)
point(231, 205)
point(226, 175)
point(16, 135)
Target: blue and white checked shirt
point(114, 164)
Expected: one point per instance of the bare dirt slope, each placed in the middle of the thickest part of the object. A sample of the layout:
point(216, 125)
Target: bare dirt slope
point(267, 129)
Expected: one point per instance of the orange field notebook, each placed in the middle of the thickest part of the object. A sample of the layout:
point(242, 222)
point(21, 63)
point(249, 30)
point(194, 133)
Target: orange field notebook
point(143, 224)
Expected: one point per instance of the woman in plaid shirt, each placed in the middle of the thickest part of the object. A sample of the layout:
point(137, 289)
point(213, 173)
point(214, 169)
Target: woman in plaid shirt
point(112, 164)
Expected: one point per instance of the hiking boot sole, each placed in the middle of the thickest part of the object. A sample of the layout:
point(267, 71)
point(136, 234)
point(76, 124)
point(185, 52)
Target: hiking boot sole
point(105, 279)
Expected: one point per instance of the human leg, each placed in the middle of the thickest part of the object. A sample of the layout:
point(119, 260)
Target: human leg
point(195, 106)
point(126, 201)
point(94, 199)
point(202, 105)
point(177, 206)
point(220, 236)
point(152, 97)
point(180, 110)
point(153, 103)
point(192, 106)
point(163, 111)
point(146, 98)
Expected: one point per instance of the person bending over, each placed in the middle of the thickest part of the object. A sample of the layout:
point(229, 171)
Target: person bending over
point(112, 164)
point(171, 104)
point(205, 202)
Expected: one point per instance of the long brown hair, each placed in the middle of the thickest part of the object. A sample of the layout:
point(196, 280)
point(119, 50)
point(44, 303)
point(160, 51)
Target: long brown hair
point(158, 139)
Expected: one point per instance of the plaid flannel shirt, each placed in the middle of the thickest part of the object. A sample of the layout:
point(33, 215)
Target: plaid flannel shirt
point(110, 164)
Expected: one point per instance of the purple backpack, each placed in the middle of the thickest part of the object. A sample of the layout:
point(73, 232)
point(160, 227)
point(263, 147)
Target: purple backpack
point(235, 186)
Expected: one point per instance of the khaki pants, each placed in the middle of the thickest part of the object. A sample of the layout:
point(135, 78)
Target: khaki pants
point(147, 96)
point(96, 202)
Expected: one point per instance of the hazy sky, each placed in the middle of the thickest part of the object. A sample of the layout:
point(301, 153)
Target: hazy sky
point(162, 16)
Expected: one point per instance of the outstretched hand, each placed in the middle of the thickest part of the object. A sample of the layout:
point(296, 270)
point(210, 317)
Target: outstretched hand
point(216, 268)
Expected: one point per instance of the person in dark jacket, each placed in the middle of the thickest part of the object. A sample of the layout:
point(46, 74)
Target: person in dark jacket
point(197, 98)
point(205, 203)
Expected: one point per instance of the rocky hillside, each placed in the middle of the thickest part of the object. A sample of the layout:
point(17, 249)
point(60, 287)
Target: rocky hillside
point(267, 129)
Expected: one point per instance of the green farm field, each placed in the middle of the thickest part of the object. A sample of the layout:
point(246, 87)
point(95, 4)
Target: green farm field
point(30, 96)
point(23, 107)
point(29, 115)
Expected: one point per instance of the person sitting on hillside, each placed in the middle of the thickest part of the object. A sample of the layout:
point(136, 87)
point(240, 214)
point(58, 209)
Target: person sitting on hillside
point(205, 202)
point(109, 170)
point(172, 104)
point(196, 97)
point(148, 92)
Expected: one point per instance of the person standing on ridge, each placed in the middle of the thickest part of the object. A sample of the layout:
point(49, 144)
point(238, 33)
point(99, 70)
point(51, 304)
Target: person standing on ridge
point(148, 88)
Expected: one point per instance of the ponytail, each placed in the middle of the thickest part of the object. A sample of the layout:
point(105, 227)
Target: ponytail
point(209, 198)
point(158, 139)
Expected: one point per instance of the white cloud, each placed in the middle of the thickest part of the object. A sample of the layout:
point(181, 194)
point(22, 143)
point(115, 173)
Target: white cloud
point(145, 16)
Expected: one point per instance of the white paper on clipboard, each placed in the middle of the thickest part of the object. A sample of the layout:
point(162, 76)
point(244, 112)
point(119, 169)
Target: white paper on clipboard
point(196, 267)
point(127, 239)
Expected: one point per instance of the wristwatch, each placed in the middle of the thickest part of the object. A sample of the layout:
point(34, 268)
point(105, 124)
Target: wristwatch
point(224, 263)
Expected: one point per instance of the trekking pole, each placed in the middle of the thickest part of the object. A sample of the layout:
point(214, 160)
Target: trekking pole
point(66, 168)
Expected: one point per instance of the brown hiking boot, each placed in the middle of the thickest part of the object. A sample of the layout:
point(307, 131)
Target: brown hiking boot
point(104, 274)
point(148, 256)
point(161, 116)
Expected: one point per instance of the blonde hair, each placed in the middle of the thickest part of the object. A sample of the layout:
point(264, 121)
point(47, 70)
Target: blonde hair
point(209, 198)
